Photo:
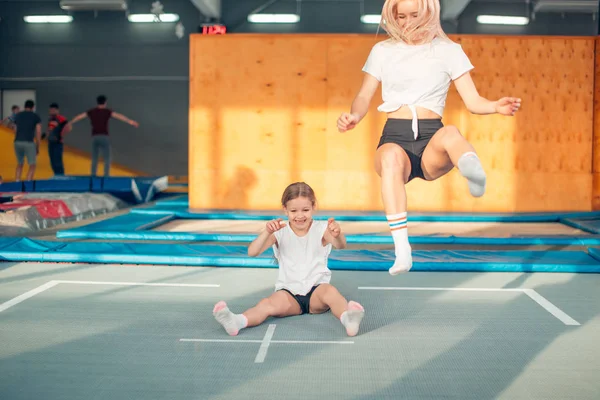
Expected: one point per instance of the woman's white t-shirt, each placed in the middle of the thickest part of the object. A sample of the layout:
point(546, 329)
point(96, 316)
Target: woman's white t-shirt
point(416, 75)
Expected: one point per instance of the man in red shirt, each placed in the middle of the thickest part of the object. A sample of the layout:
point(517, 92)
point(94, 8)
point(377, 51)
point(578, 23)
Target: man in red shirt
point(57, 128)
point(99, 117)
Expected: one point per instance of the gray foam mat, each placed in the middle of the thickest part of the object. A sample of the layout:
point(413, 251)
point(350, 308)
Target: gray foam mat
point(97, 341)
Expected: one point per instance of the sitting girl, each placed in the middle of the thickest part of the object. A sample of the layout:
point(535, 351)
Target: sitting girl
point(302, 248)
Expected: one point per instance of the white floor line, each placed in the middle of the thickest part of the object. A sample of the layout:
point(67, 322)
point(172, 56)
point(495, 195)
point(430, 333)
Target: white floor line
point(264, 347)
point(271, 342)
point(140, 284)
point(310, 342)
point(441, 289)
point(535, 296)
point(551, 308)
point(51, 284)
point(13, 302)
point(221, 340)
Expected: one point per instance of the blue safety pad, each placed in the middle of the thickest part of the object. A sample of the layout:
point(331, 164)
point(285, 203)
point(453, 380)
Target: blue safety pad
point(63, 184)
point(179, 201)
point(150, 187)
point(124, 188)
point(25, 249)
point(132, 190)
point(135, 190)
point(595, 253)
point(127, 225)
point(591, 225)
point(104, 230)
point(183, 212)
point(513, 240)
point(11, 187)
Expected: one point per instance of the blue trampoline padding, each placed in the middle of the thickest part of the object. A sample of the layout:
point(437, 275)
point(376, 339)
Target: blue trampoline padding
point(182, 201)
point(179, 201)
point(595, 253)
point(123, 187)
point(64, 184)
point(149, 187)
point(11, 187)
point(558, 240)
point(127, 223)
point(183, 212)
point(83, 234)
point(25, 249)
point(591, 225)
point(133, 190)
point(105, 230)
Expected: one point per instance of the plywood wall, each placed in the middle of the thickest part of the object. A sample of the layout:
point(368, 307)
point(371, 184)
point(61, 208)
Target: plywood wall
point(263, 112)
point(596, 148)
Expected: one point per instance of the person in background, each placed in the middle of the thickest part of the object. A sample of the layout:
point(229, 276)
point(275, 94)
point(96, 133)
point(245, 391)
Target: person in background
point(10, 120)
point(27, 139)
point(99, 118)
point(57, 127)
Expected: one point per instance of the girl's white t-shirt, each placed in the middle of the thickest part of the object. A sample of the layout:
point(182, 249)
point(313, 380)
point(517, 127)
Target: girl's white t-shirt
point(302, 260)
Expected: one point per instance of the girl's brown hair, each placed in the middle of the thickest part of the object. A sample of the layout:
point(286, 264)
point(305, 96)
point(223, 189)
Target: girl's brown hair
point(298, 189)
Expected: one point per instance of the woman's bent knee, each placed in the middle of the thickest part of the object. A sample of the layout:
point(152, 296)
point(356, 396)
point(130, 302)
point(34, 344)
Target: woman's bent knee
point(451, 133)
point(391, 158)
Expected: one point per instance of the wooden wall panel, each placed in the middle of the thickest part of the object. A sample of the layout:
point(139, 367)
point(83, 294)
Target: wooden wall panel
point(263, 111)
point(596, 148)
point(539, 159)
point(256, 119)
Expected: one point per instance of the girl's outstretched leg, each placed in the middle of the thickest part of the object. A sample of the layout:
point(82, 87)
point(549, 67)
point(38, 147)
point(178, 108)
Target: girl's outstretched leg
point(327, 297)
point(279, 304)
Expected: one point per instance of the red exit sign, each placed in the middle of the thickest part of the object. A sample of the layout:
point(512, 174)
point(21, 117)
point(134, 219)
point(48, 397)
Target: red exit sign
point(216, 29)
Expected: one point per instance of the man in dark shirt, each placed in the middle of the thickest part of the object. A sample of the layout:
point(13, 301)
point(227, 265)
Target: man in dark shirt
point(99, 118)
point(57, 128)
point(27, 139)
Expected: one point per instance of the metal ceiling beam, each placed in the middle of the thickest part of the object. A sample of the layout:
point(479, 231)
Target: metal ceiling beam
point(452, 9)
point(209, 8)
point(94, 5)
point(560, 6)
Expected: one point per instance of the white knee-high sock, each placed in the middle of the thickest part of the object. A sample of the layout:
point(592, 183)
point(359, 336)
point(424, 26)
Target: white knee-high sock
point(399, 229)
point(470, 167)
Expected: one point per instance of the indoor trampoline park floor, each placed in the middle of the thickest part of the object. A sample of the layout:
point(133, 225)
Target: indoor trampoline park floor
point(120, 306)
point(94, 331)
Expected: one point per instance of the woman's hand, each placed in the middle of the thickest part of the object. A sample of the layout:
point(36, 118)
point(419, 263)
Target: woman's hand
point(508, 106)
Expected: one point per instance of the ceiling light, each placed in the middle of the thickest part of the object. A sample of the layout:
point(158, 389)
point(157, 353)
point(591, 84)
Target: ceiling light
point(152, 17)
point(502, 20)
point(48, 19)
point(370, 19)
point(273, 18)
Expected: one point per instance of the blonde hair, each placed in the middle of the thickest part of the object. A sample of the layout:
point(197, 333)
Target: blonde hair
point(424, 29)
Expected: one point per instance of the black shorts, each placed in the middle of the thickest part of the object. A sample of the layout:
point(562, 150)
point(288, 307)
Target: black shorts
point(303, 300)
point(400, 131)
